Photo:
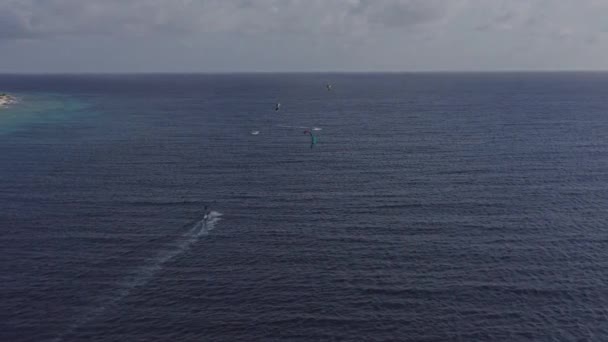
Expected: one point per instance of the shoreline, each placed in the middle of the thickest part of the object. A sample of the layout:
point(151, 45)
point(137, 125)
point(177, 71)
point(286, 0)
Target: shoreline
point(6, 99)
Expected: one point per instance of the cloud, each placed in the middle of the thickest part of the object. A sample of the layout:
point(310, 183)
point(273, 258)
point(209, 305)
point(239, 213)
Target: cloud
point(50, 18)
point(302, 34)
point(409, 13)
point(559, 20)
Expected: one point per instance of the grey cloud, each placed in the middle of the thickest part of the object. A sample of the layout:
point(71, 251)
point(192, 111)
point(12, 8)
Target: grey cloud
point(509, 15)
point(47, 18)
point(541, 18)
point(408, 13)
point(13, 27)
point(269, 35)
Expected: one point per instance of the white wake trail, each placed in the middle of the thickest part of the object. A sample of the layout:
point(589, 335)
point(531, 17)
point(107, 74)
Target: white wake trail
point(304, 127)
point(143, 274)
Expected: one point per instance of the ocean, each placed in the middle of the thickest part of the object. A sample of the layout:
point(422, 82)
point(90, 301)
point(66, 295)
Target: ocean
point(434, 207)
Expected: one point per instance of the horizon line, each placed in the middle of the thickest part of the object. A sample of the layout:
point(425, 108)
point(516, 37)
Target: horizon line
point(447, 71)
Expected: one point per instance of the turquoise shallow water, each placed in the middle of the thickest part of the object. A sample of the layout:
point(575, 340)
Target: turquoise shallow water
point(34, 109)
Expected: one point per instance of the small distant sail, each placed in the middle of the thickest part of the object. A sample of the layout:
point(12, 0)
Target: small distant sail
point(278, 106)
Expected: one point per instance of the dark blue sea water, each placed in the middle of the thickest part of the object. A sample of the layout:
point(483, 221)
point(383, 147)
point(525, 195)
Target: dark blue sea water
point(435, 207)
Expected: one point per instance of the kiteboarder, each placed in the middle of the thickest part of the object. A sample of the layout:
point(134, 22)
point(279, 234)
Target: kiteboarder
point(278, 106)
point(207, 212)
point(313, 138)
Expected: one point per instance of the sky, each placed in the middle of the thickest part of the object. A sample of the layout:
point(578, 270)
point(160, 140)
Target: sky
point(57, 36)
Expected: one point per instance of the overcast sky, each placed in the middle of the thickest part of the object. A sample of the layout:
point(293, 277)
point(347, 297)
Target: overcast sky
point(302, 35)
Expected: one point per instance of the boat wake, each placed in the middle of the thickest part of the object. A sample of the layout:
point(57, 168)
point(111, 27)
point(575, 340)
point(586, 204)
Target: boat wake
point(203, 227)
point(303, 127)
point(143, 274)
